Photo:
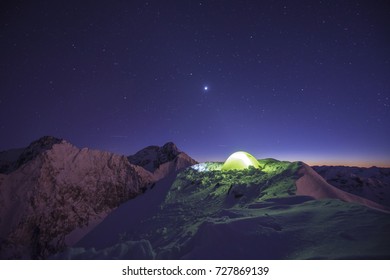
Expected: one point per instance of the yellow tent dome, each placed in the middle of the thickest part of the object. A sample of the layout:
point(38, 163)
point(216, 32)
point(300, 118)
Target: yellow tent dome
point(239, 161)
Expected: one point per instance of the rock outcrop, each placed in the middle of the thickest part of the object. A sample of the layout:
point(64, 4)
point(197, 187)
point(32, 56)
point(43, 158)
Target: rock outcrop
point(54, 193)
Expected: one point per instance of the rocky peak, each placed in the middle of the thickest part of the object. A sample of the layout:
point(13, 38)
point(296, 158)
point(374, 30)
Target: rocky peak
point(60, 189)
point(170, 147)
point(168, 152)
point(22, 156)
point(56, 193)
point(43, 143)
point(35, 148)
point(152, 157)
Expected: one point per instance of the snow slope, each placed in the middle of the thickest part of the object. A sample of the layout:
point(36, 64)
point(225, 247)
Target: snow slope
point(372, 183)
point(312, 184)
point(56, 193)
point(128, 216)
point(251, 214)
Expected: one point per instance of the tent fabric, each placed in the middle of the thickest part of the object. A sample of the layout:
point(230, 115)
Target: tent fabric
point(239, 161)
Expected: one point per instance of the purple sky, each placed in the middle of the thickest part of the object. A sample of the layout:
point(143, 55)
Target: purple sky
point(295, 80)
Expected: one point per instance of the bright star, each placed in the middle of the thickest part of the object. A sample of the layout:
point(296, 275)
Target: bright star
point(206, 88)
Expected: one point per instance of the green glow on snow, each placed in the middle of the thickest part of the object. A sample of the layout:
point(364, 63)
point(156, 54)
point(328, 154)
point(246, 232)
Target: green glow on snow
point(239, 161)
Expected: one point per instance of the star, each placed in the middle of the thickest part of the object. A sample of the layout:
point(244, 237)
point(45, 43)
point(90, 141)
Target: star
point(206, 88)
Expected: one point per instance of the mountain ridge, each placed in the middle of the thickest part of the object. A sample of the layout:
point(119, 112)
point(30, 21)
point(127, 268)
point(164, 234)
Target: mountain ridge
point(248, 214)
point(56, 188)
point(60, 201)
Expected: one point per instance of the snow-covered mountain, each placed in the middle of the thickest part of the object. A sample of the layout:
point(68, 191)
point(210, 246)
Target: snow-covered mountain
point(312, 184)
point(161, 160)
point(53, 193)
point(371, 183)
point(59, 201)
point(282, 211)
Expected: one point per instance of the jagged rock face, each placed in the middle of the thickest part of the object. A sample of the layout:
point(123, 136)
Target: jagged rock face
point(152, 157)
point(58, 190)
point(162, 161)
point(13, 159)
point(54, 190)
point(36, 148)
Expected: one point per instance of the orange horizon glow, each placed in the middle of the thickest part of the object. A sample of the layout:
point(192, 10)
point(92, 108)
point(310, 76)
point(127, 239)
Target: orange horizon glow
point(349, 163)
point(328, 162)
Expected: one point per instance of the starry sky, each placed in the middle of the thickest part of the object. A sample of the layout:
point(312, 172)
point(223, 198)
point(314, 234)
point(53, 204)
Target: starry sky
point(292, 80)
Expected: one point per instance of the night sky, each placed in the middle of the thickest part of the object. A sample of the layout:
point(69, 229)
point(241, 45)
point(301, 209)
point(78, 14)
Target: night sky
point(292, 80)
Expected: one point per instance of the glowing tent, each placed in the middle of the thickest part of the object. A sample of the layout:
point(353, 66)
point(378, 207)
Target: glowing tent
point(239, 161)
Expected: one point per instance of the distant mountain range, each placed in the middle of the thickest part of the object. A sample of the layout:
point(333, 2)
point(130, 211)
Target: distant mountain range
point(59, 201)
point(372, 183)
